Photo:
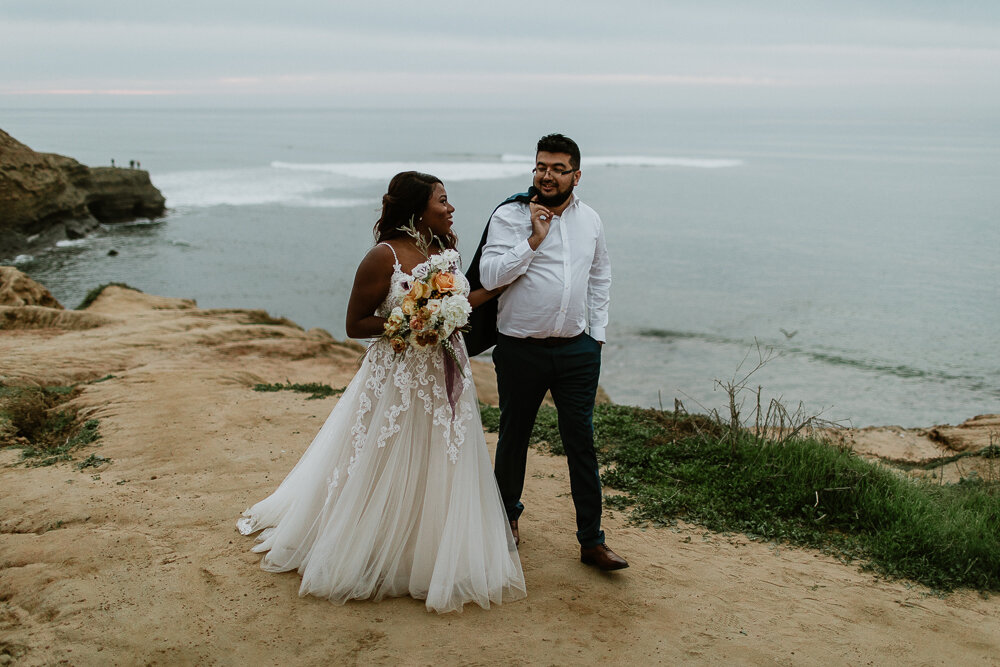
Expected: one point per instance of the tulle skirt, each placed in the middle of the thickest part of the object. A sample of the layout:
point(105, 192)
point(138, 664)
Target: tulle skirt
point(395, 496)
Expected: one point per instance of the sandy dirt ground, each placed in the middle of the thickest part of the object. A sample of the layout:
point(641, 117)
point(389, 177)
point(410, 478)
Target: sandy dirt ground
point(139, 562)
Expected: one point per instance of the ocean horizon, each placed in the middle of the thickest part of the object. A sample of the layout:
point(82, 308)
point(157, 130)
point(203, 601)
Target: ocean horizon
point(856, 250)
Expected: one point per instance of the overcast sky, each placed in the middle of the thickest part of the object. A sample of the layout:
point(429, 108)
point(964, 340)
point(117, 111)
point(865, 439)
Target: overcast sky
point(437, 53)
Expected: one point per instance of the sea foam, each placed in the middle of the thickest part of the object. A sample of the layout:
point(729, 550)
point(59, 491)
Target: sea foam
point(249, 187)
point(647, 161)
point(509, 166)
point(383, 171)
point(309, 184)
point(636, 161)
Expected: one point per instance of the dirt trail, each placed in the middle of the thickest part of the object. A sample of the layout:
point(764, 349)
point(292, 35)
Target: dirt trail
point(139, 562)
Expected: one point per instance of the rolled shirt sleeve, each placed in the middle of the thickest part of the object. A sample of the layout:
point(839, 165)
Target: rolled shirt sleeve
point(599, 290)
point(506, 255)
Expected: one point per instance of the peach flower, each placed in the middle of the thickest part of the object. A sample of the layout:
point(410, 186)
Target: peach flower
point(409, 305)
point(394, 323)
point(420, 290)
point(444, 282)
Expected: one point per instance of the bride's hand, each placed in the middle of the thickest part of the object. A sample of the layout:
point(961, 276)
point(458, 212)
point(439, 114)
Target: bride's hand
point(478, 297)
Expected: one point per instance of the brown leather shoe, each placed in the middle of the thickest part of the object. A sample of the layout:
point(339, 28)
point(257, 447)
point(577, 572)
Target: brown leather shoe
point(602, 557)
point(513, 529)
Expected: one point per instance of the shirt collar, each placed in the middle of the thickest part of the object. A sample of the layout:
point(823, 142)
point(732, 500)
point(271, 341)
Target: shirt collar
point(573, 201)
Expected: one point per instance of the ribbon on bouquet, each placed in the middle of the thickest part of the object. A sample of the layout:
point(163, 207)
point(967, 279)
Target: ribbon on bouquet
point(454, 360)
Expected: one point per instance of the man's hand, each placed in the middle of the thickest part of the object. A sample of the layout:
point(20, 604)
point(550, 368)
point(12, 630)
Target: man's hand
point(541, 218)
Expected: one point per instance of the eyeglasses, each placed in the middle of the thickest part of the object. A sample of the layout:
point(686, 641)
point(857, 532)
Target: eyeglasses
point(551, 170)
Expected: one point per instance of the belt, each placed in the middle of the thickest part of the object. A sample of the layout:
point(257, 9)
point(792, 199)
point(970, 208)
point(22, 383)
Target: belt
point(546, 342)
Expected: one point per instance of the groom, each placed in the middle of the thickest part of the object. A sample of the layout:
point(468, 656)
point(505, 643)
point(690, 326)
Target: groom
point(552, 254)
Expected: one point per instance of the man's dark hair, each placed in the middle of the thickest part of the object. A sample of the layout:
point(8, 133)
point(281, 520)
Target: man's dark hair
point(559, 143)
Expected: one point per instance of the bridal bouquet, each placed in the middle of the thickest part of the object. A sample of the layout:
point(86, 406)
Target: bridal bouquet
point(433, 309)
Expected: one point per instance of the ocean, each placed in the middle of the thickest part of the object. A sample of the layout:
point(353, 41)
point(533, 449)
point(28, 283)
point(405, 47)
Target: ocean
point(856, 250)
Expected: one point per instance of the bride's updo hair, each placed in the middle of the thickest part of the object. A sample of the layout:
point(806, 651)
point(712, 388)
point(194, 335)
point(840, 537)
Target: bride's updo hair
point(408, 195)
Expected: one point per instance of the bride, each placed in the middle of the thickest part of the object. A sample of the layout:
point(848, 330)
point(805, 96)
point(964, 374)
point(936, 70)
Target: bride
point(396, 494)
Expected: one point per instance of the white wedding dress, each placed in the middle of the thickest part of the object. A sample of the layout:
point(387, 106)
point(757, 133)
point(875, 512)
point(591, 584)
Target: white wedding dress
point(395, 495)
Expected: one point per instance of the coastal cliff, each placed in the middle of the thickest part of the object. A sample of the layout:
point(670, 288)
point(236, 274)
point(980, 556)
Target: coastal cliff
point(45, 197)
point(147, 512)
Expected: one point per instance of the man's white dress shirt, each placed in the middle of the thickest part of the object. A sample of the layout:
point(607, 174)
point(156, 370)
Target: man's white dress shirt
point(558, 289)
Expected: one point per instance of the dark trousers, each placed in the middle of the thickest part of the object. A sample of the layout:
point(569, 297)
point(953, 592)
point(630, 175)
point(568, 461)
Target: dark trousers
point(525, 371)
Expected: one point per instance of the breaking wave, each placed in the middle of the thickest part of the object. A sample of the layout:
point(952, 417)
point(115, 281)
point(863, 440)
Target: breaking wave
point(312, 184)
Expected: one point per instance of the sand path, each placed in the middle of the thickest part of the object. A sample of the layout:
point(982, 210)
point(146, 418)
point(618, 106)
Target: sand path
point(139, 562)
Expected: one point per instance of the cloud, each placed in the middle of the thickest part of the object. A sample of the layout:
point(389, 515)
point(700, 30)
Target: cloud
point(354, 53)
point(86, 92)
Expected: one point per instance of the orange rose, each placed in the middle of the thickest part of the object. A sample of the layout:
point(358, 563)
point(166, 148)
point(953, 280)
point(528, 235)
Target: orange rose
point(397, 344)
point(420, 290)
point(444, 282)
point(409, 305)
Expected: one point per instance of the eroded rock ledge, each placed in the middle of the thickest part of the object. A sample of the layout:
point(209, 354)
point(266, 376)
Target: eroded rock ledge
point(45, 197)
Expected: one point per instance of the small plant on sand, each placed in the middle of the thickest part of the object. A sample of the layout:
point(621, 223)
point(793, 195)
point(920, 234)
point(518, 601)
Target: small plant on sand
point(316, 389)
point(96, 292)
point(265, 318)
point(776, 422)
point(32, 420)
point(92, 461)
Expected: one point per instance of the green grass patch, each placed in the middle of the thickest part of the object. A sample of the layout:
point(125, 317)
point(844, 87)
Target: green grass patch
point(545, 434)
point(265, 318)
point(96, 292)
point(800, 491)
point(315, 389)
point(32, 419)
point(92, 461)
point(490, 416)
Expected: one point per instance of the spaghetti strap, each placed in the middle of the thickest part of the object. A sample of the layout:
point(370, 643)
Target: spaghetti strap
point(397, 264)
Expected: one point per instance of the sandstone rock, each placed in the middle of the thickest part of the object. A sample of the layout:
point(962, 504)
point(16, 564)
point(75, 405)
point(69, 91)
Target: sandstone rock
point(122, 195)
point(972, 434)
point(17, 289)
point(20, 318)
point(46, 197)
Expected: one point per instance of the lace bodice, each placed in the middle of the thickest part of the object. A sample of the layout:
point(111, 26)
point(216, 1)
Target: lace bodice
point(401, 283)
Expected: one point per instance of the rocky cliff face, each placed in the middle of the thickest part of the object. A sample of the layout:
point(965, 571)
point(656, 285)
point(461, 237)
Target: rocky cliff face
point(17, 289)
point(46, 197)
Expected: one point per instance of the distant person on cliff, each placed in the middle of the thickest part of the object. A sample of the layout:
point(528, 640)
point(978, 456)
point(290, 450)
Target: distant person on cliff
point(396, 495)
point(549, 248)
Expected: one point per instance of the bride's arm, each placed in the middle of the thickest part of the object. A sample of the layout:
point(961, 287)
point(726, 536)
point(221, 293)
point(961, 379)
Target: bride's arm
point(371, 285)
point(478, 297)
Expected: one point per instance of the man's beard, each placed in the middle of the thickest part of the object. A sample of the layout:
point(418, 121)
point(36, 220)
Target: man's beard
point(555, 200)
